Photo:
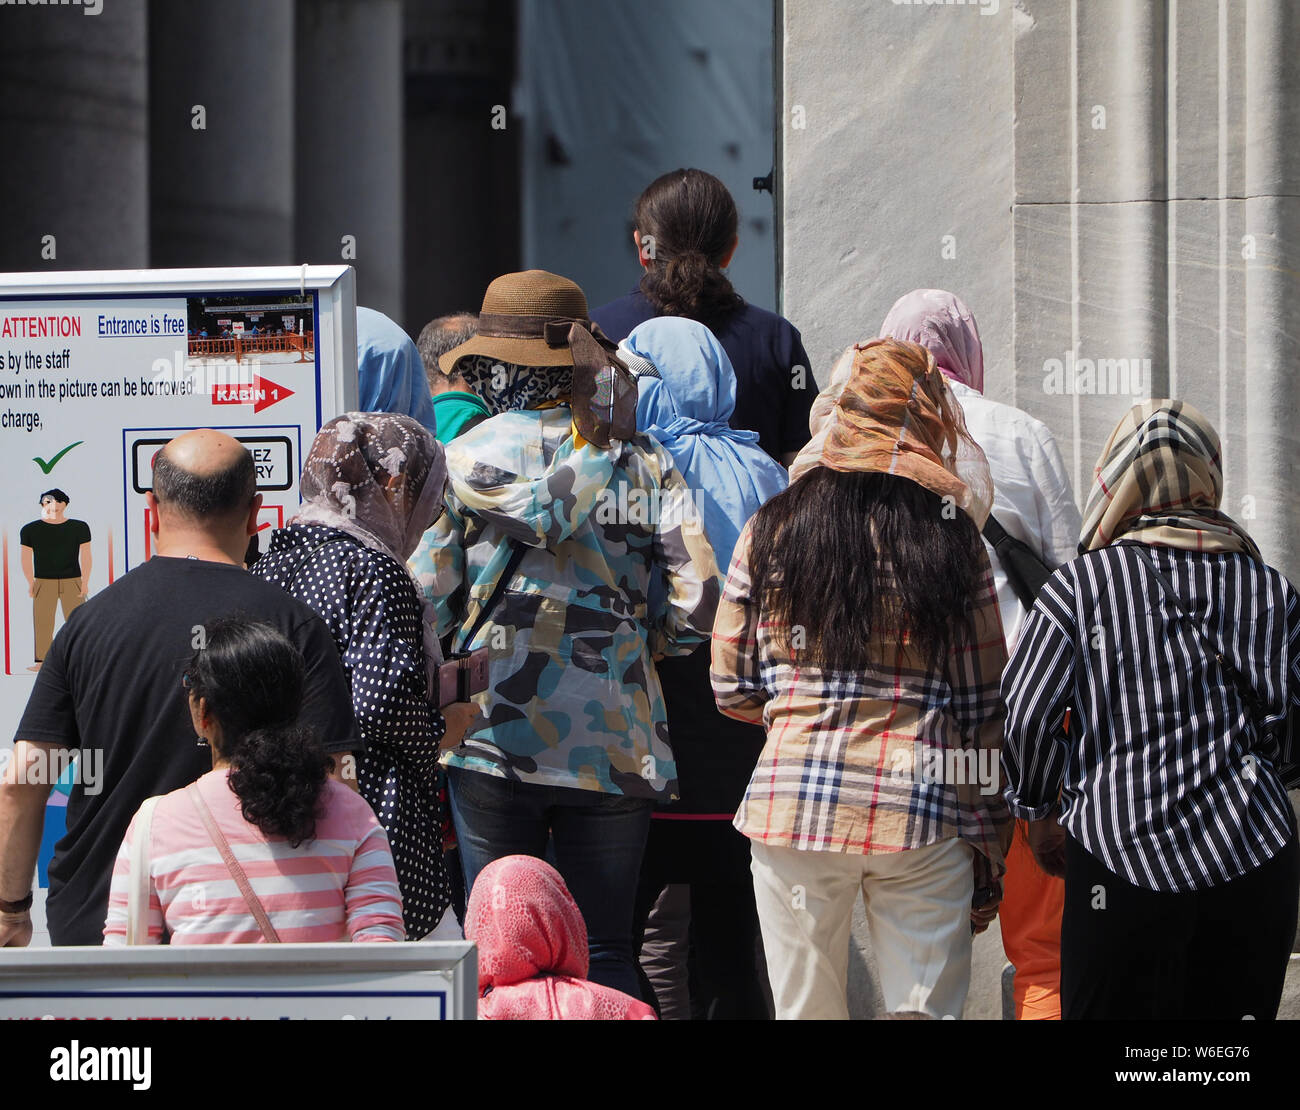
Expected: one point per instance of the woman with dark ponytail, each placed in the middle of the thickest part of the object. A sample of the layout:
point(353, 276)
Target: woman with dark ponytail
point(686, 231)
point(266, 846)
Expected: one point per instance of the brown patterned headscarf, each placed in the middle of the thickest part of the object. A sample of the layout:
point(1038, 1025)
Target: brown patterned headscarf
point(896, 415)
point(377, 476)
point(1159, 480)
point(380, 478)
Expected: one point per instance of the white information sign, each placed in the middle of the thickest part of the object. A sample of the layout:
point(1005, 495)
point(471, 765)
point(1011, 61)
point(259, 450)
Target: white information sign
point(98, 370)
point(424, 981)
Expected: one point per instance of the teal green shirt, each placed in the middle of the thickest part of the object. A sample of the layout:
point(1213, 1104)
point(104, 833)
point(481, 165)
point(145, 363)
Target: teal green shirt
point(456, 411)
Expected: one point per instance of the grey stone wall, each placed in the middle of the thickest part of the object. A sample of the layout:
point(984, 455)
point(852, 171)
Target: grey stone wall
point(896, 132)
point(1116, 181)
point(1119, 181)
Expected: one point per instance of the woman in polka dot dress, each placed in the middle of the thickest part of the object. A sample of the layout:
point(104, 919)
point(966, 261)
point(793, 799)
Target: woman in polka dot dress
point(372, 484)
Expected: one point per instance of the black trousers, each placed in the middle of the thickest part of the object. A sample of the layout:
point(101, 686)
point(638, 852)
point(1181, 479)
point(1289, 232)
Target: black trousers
point(1218, 954)
point(713, 858)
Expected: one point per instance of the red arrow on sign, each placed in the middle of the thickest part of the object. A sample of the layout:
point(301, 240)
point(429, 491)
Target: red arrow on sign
point(261, 393)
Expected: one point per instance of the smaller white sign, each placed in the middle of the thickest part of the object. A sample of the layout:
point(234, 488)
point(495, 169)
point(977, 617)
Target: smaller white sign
point(272, 459)
point(421, 981)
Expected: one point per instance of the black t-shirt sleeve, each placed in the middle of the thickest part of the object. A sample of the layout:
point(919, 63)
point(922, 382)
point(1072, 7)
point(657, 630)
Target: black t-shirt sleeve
point(27, 536)
point(50, 717)
point(801, 391)
point(327, 700)
point(82, 531)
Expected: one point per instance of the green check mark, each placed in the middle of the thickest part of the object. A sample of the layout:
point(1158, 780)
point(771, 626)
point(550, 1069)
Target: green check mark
point(46, 467)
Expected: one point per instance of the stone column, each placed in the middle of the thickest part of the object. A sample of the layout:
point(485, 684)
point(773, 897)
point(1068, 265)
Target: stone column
point(221, 133)
point(462, 174)
point(1269, 373)
point(1157, 218)
point(74, 129)
point(895, 168)
point(348, 143)
point(221, 139)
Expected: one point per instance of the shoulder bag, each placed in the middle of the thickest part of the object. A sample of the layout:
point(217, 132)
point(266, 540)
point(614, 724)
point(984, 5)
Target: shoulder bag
point(237, 873)
point(137, 894)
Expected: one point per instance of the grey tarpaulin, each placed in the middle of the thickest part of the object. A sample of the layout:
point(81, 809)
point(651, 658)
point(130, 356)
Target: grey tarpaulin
point(611, 95)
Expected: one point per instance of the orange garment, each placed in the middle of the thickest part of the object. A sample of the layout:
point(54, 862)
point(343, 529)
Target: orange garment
point(1030, 916)
point(897, 415)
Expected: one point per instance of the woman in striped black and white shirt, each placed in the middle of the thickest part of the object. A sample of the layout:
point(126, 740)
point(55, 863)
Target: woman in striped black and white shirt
point(312, 852)
point(1153, 705)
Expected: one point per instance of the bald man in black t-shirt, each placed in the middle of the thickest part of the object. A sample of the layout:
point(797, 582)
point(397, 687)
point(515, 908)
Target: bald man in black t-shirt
point(110, 687)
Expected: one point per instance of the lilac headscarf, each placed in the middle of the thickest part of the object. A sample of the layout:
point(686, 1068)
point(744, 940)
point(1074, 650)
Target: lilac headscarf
point(945, 327)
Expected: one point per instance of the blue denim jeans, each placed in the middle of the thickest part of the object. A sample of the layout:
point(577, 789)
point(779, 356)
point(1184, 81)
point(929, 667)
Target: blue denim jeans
point(598, 841)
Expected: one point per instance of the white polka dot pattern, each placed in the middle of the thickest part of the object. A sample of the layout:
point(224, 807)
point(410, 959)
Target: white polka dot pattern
point(368, 601)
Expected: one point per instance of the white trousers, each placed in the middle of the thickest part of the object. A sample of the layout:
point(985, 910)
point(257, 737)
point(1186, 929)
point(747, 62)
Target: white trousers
point(918, 906)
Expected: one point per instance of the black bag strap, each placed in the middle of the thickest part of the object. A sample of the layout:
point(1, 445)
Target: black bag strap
point(517, 551)
point(993, 531)
point(1247, 693)
point(1025, 571)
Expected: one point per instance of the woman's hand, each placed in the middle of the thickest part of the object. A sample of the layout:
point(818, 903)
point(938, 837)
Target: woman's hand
point(1047, 842)
point(981, 917)
point(459, 715)
point(987, 894)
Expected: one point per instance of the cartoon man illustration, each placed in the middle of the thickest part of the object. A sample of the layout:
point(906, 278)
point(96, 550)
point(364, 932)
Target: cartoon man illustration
point(56, 562)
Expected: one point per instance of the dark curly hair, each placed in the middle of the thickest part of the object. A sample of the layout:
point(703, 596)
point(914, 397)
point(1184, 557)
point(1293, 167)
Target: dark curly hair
point(252, 680)
point(693, 221)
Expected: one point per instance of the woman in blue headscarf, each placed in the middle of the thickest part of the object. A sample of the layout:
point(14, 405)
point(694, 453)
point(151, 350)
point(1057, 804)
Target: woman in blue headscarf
point(390, 372)
point(686, 407)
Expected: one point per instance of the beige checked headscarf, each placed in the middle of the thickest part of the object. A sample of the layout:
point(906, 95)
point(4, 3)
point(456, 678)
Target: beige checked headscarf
point(1159, 480)
point(896, 415)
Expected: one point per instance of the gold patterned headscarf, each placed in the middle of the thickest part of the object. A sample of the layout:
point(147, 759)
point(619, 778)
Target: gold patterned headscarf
point(1159, 480)
point(896, 415)
point(822, 416)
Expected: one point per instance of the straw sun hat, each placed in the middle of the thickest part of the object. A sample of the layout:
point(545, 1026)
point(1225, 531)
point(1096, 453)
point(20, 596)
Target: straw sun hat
point(516, 305)
point(536, 318)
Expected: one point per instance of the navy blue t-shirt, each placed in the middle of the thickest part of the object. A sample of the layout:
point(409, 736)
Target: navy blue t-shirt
point(773, 398)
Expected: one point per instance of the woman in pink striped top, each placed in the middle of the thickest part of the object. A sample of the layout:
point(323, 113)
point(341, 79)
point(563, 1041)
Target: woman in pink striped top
point(315, 856)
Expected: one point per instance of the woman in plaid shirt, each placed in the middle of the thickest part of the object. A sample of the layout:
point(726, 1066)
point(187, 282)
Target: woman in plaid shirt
point(876, 678)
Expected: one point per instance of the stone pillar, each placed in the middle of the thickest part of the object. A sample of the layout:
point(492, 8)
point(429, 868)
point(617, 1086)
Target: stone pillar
point(221, 132)
point(895, 168)
point(1269, 372)
point(75, 130)
point(348, 143)
point(462, 174)
point(1155, 218)
point(1090, 218)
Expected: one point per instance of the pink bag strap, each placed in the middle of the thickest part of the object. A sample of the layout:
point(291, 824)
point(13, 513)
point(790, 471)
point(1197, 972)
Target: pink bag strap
point(232, 865)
